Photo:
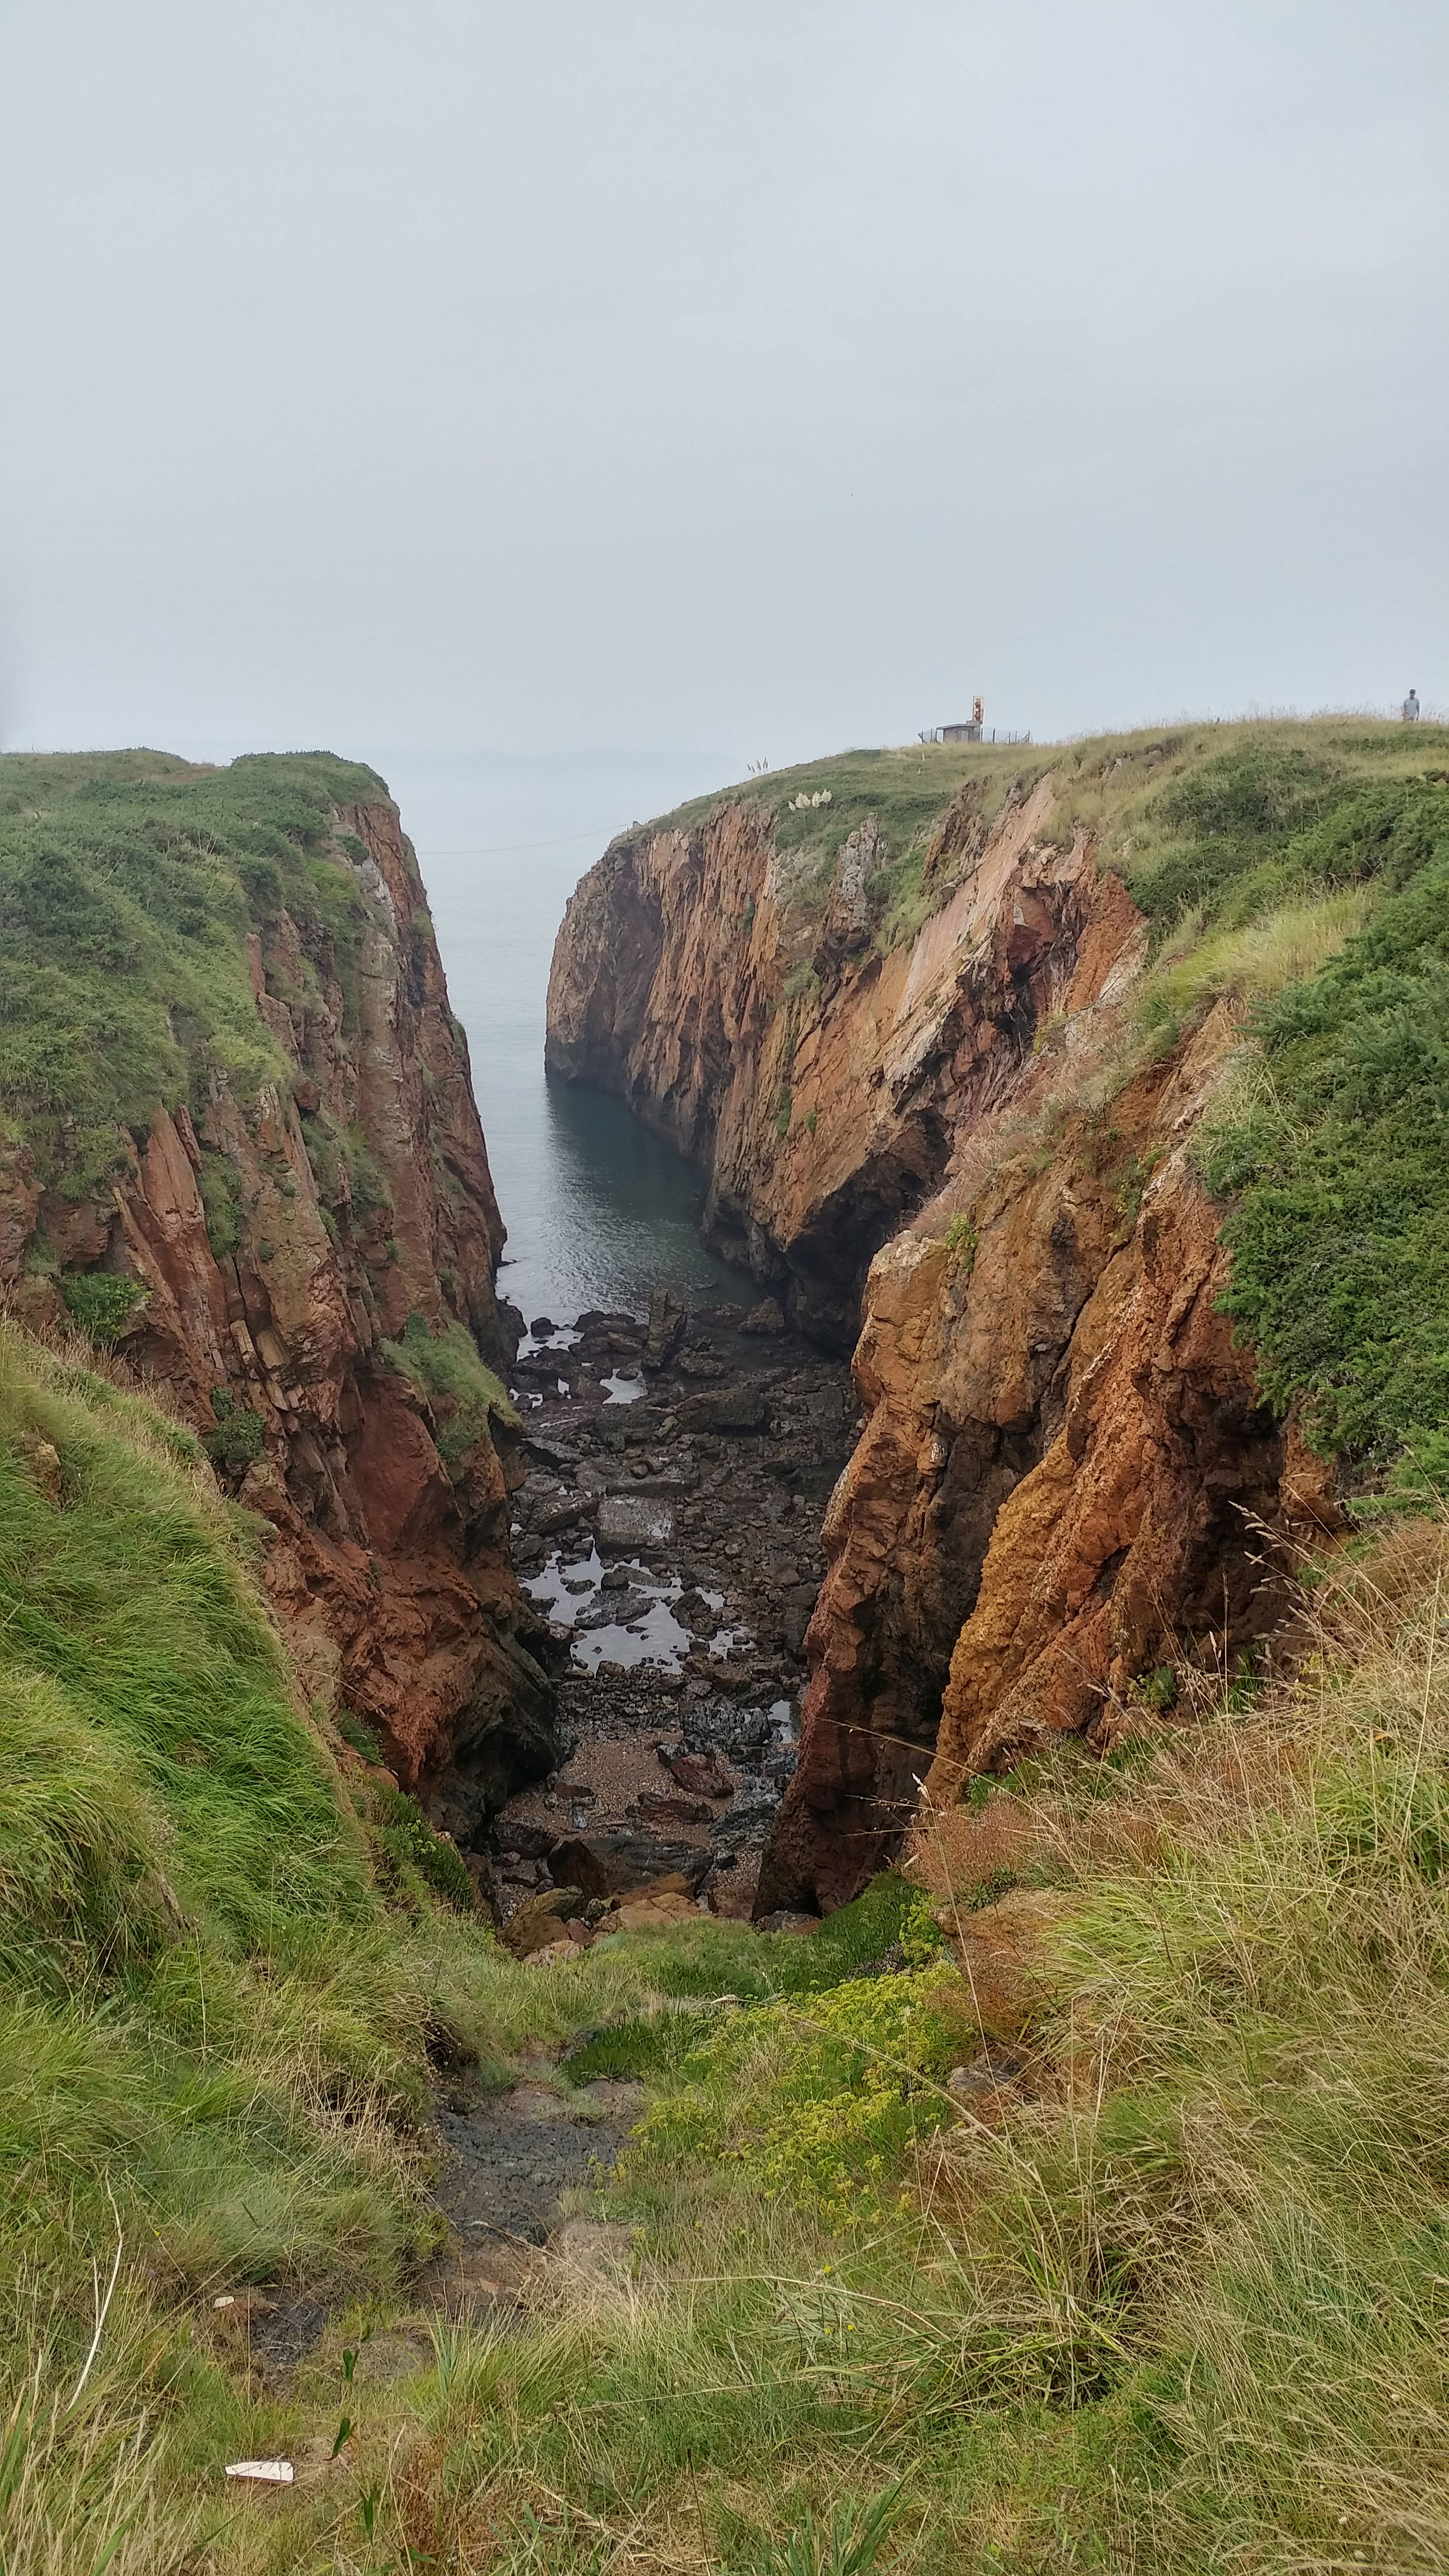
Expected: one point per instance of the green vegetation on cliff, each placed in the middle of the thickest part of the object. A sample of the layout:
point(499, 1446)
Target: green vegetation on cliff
point(128, 883)
point(1339, 1159)
point(195, 1961)
point(466, 1395)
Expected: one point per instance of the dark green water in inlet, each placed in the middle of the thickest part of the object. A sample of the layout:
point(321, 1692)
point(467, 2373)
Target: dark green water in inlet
point(598, 1210)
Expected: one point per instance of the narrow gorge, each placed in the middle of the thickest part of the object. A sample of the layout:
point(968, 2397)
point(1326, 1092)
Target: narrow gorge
point(791, 1929)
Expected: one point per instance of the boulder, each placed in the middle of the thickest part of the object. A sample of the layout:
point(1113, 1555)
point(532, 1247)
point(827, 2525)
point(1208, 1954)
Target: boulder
point(735, 1410)
point(717, 1726)
point(655, 1911)
point(636, 1524)
point(611, 1863)
point(540, 1920)
point(511, 1325)
point(703, 1775)
point(528, 1841)
point(554, 1454)
point(658, 1807)
point(764, 1318)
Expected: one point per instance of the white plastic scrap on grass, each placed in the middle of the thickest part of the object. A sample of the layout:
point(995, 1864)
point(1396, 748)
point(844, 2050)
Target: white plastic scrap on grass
point(267, 2473)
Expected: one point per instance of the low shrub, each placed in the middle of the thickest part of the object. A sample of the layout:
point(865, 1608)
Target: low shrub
point(101, 1301)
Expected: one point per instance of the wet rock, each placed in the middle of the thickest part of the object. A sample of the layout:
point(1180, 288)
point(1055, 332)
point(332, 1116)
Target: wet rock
point(717, 1726)
point(542, 1326)
point(640, 1424)
point(694, 1613)
point(614, 1611)
point(614, 1579)
point(749, 1820)
point(549, 1454)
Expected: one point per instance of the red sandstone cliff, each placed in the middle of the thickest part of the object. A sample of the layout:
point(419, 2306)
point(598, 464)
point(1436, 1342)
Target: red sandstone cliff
point(340, 1203)
point(1067, 1478)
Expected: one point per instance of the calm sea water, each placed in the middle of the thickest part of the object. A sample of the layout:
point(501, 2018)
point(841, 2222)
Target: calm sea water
point(598, 1211)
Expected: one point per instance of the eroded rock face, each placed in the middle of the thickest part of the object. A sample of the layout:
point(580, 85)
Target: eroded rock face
point(281, 1242)
point(1067, 1477)
point(1068, 1481)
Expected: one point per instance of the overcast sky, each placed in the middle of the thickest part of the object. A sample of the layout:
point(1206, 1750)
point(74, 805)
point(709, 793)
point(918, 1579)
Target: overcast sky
point(716, 380)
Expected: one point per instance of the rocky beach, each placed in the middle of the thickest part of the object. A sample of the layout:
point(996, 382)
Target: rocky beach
point(673, 1472)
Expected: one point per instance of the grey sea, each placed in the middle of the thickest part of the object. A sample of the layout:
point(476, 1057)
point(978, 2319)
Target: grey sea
point(598, 1210)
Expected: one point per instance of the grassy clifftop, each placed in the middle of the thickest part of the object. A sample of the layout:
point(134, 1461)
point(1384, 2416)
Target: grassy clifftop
point(128, 884)
point(1182, 811)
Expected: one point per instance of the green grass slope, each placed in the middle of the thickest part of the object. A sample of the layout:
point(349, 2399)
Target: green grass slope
point(223, 1969)
point(128, 883)
point(1176, 2302)
point(195, 1960)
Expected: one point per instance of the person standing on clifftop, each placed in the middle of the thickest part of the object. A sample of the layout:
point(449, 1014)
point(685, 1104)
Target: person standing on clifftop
point(1411, 707)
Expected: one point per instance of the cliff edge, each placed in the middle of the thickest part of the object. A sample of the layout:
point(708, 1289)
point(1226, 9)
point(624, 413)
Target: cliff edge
point(991, 1058)
point(240, 1150)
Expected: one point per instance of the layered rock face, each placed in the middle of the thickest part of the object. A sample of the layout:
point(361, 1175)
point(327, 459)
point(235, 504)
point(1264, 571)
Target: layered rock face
point(306, 1248)
point(1067, 1478)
